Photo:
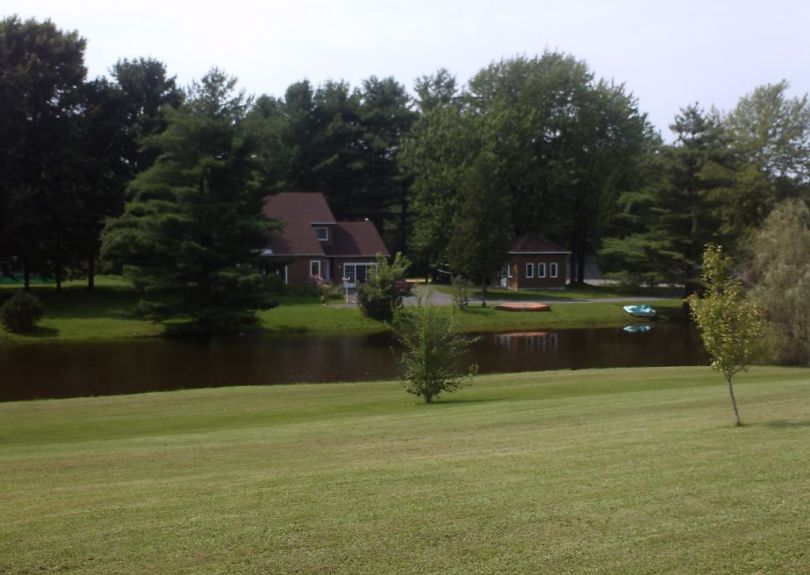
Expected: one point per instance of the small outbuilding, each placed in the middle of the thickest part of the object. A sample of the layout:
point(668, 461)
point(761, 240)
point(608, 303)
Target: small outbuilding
point(535, 263)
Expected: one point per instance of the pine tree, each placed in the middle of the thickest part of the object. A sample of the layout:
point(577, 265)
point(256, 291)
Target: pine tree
point(191, 232)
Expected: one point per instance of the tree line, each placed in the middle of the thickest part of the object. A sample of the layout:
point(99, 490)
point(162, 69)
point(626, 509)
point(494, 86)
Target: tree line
point(449, 173)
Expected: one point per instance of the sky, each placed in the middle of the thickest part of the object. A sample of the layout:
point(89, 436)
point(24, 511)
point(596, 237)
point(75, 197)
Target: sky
point(668, 54)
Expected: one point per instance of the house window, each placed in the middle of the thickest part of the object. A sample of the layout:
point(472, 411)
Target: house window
point(322, 234)
point(314, 268)
point(541, 269)
point(529, 270)
point(552, 270)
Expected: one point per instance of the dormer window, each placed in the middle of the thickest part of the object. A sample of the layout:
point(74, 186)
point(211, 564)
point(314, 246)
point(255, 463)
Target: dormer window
point(322, 233)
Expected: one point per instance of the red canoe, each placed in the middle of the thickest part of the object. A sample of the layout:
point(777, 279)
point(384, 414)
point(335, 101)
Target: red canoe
point(523, 306)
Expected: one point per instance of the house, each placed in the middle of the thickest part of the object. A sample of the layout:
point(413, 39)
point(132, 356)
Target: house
point(313, 244)
point(535, 263)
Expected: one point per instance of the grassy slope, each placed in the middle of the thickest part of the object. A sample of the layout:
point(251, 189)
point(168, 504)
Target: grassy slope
point(612, 471)
point(78, 315)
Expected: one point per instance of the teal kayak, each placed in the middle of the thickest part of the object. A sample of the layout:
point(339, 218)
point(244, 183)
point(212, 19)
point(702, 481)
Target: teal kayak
point(641, 310)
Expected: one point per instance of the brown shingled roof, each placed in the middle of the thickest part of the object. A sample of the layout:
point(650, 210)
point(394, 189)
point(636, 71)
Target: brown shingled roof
point(309, 207)
point(531, 244)
point(299, 211)
point(356, 239)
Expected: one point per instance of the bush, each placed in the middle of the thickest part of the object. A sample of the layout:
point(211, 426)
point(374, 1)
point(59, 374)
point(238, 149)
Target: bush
point(462, 291)
point(381, 295)
point(432, 353)
point(21, 312)
point(330, 291)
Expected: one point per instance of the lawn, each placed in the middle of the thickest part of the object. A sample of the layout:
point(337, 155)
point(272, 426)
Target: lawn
point(76, 314)
point(570, 293)
point(106, 314)
point(611, 471)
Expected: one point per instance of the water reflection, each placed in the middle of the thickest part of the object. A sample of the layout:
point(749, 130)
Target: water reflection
point(69, 370)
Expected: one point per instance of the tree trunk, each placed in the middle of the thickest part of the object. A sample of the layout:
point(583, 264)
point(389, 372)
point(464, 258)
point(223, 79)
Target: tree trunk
point(26, 273)
point(484, 292)
point(91, 271)
point(733, 400)
point(581, 264)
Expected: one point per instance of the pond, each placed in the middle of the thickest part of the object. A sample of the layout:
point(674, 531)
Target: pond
point(107, 368)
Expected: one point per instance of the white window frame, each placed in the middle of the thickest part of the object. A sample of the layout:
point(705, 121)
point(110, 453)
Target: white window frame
point(553, 270)
point(368, 265)
point(541, 269)
point(529, 270)
point(325, 230)
point(312, 275)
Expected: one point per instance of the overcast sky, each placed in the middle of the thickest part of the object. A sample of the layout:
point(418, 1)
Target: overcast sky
point(667, 53)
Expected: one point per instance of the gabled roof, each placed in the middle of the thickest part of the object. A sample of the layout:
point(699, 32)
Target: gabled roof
point(531, 244)
point(356, 239)
point(305, 207)
point(300, 211)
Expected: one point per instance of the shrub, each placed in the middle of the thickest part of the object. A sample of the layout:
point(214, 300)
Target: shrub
point(462, 291)
point(21, 312)
point(330, 291)
point(381, 295)
point(432, 353)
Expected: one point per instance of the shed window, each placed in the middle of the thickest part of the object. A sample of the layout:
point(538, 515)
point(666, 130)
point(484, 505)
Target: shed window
point(541, 269)
point(529, 270)
point(552, 270)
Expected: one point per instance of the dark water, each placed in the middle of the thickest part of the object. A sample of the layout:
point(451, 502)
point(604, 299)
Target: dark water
point(73, 370)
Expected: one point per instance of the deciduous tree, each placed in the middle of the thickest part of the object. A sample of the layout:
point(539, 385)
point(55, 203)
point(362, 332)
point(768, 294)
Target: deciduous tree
point(730, 323)
point(433, 352)
point(781, 276)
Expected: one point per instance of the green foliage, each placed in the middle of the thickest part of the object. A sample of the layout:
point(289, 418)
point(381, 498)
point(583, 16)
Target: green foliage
point(481, 229)
point(191, 233)
point(21, 312)
point(329, 291)
point(564, 144)
point(772, 133)
point(379, 297)
point(781, 274)
point(433, 351)
point(41, 165)
point(462, 292)
point(343, 142)
point(730, 323)
point(665, 224)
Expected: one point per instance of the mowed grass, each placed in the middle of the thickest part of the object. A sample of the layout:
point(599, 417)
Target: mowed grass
point(76, 314)
point(570, 293)
point(608, 471)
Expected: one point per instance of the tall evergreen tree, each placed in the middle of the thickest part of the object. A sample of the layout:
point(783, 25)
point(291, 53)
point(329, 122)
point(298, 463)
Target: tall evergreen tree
point(679, 210)
point(40, 99)
point(192, 229)
point(146, 91)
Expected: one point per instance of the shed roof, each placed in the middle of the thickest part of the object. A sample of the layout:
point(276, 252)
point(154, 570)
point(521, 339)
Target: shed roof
point(531, 244)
